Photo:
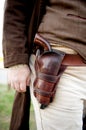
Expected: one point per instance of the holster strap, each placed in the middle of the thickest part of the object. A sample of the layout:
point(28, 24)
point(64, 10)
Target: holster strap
point(44, 93)
point(48, 77)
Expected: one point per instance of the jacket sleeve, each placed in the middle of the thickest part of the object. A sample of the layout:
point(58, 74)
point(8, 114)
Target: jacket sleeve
point(17, 16)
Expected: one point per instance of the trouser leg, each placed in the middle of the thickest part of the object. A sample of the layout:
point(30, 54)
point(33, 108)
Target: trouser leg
point(66, 111)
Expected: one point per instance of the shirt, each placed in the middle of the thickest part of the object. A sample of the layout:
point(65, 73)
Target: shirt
point(64, 23)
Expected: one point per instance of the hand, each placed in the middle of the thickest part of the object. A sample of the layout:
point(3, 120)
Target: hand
point(19, 77)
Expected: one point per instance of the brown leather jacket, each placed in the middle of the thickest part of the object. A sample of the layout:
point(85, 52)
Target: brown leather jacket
point(21, 20)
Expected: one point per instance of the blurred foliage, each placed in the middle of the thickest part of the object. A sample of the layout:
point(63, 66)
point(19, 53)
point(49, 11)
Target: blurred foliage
point(6, 101)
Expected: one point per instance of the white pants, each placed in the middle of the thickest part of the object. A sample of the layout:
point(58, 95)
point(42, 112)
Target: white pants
point(66, 111)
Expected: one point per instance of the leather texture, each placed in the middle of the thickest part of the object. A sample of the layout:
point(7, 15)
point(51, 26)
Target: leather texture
point(47, 67)
point(73, 60)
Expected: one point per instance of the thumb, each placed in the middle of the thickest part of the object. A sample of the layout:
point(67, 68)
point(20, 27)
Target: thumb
point(28, 81)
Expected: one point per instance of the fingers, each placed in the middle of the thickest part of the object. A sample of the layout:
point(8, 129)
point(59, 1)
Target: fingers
point(19, 78)
point(18, 86)
point(28, 82)
point(22, 87)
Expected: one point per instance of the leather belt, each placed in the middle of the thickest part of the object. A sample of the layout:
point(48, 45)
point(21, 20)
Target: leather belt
point(73, 60)
point(69, 59)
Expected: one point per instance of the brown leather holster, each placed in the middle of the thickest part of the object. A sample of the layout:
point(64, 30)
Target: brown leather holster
point(48, 71)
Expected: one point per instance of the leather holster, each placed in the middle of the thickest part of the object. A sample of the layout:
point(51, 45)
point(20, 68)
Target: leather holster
point(48, 71)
